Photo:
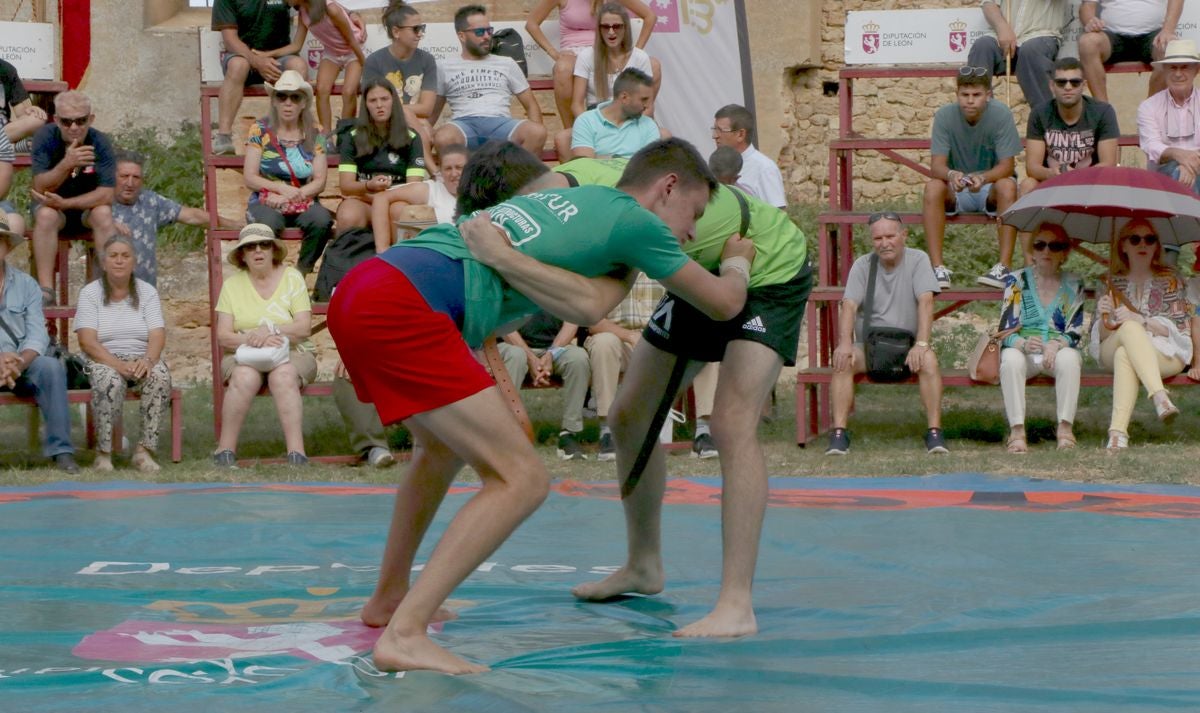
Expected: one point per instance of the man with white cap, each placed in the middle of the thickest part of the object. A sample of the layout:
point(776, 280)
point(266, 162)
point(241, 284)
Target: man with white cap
point(1169, 121)
point(24, 367)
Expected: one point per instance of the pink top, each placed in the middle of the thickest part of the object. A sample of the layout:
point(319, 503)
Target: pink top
point(576, 26)
point(325, 31)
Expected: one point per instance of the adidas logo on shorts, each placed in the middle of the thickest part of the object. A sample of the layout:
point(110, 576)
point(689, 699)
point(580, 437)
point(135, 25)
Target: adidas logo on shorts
point(755, 325)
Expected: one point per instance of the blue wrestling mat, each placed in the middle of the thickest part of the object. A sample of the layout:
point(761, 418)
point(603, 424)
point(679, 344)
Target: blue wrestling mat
point(951, 593)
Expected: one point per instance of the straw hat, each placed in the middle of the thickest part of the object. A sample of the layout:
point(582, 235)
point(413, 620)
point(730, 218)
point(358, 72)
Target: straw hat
point(14, 239)
point(1179, 52)
point(291, 81)
point(252, 234)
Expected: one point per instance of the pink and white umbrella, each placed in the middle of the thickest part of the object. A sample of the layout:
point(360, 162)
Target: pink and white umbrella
point(1093, 203)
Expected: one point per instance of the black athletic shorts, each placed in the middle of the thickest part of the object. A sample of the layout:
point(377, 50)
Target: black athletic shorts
point(1131, 48)
point(771, 317)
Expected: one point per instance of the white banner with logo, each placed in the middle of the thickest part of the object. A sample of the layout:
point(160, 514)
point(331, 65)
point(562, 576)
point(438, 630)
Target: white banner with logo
point(28, 46)
point(945, 36)
point(695, 40)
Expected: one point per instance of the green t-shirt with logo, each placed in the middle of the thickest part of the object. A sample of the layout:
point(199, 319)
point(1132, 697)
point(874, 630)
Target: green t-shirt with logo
point(591, 231)
point(780, 247)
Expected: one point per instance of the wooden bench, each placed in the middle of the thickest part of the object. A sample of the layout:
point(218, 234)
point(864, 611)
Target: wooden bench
point(84, 396)
point(807, 381)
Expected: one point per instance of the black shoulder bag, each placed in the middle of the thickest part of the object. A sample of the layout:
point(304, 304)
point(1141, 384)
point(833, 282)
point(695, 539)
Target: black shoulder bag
point(886, 348)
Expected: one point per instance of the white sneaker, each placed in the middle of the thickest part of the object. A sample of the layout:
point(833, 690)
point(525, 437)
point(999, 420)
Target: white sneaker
point(943, 276)
point(379, 457)
point(996, 277)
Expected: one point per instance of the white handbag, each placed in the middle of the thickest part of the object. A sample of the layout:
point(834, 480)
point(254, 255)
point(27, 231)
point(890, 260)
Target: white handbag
point(263, 358)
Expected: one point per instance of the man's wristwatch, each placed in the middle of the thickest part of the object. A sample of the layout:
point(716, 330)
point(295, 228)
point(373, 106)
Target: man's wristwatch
point(923, 345)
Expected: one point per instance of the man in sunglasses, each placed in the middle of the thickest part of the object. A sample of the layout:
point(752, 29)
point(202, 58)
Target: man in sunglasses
point(480, 86)
point(1030, 36)
point(972, 156)
point(74, 174)
point(1070, 131)
point(410, 69)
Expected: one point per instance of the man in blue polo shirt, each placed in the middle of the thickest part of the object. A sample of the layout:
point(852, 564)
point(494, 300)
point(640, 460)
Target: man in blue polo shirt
point(618, 127)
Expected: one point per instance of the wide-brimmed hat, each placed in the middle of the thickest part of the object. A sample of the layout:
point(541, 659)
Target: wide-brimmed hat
point(14, 239)
point(291, 81)
point(252, 234)
point(1179, 52)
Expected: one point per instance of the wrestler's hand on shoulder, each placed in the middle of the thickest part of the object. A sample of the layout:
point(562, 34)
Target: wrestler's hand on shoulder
point(485, 241)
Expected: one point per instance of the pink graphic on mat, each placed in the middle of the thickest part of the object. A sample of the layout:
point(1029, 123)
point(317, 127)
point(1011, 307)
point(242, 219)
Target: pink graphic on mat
point(167, 641)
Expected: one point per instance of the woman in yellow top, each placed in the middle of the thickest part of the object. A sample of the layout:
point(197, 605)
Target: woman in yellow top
point(261, 305)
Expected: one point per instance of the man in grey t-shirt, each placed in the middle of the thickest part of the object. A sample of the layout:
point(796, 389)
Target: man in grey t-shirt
point(480, 86)
point(904, 290)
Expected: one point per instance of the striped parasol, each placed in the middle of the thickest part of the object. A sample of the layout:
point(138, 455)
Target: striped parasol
point(1093, 203)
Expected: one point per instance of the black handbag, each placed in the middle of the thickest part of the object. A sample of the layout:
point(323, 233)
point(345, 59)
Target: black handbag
point(886, 348)
point(75, 365)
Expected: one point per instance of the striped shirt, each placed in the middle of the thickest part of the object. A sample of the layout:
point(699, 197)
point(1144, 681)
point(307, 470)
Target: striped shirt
point(120, 328)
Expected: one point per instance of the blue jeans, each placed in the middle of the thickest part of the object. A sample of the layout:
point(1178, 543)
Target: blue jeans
point(46, 380)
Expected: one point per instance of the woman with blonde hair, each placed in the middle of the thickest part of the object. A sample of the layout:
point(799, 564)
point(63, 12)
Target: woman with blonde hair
point(576, 22)
point(1143, 329)
point(285, 168)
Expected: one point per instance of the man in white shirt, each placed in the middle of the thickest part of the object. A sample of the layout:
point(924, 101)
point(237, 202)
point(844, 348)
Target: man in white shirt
point(733, 126)
point(480, 86)
point(1125, 31)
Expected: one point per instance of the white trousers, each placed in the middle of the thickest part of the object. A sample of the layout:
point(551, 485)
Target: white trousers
point(1016, 367)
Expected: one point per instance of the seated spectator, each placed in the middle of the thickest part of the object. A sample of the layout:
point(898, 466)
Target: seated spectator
point(285, 169)
point(263, 305)
point(1045, 306)
point(378, 152)
point(120, 327)
point(139, 213)
point(410, 69)
point(73, 179)
point(543, 348)
point(25, 369)
point(902, 299)
point(619, 126)
point(973, 152)
point(1168, 122)
point(1143, 328)
point(1124, 31)
point(1070, 131)
point(576, 36)
point(21, 117)
point(610, 344)
point(726, 164)
point(1031, 40)
point(341, 35)
point(480, 87)
point(733, 126)
point(253, 33)
point(437, 195)
point(16, 222)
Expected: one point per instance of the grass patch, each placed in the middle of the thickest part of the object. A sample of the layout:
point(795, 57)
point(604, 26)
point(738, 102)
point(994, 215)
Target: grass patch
point(886, 429)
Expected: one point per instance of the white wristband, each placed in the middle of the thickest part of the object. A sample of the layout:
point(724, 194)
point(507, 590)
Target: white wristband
point(736, 264)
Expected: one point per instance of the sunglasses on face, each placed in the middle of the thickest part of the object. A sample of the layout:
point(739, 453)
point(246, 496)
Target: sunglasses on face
point(68, 122)
point(612, 28)
point(482, 31)
point(969, 71)
point(417, 29)
point(1069, 82)
point(293, 97)
point(1053, 247)
point(1136, 239)
point(883, 215)
point(256, 247)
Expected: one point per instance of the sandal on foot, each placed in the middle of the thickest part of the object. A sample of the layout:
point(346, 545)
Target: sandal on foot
point(1017, 445)
point(1066, 442)
point(1117, 442)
